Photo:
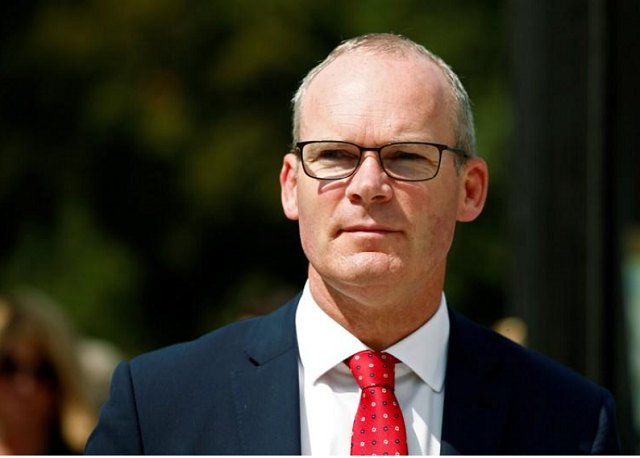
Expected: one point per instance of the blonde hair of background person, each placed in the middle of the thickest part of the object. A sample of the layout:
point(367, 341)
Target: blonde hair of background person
point(43, 404)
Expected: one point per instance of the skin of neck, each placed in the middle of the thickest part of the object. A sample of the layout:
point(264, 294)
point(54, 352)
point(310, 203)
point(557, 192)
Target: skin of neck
point(380, 317)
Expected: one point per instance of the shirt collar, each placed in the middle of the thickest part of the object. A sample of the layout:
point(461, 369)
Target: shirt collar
point(313, 325)
point(424, 351)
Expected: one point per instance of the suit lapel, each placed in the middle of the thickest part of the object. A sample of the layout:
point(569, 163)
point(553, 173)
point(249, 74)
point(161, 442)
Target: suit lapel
point(267, 398)
point(266, 394)
point(477, 393)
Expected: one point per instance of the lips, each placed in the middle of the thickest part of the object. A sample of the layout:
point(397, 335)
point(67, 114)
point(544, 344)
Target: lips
point(368, 228)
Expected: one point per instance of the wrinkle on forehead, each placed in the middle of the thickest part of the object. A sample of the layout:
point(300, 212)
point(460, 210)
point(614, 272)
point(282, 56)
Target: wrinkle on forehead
point(397, 124)
point(388, 96)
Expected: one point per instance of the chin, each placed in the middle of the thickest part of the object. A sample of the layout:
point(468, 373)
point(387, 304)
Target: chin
point(369, 268)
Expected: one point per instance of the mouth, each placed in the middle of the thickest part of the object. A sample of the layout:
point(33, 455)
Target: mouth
point(368, 230)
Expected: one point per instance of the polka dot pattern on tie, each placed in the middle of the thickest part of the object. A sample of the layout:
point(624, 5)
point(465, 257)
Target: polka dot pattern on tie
point(378, 428)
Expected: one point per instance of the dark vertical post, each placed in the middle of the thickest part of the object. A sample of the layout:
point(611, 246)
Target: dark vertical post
point(575, 72)
point(621, 155)
point(552, 210)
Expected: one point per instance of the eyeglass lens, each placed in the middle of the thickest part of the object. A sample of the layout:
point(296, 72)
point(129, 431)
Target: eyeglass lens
point(335, 160)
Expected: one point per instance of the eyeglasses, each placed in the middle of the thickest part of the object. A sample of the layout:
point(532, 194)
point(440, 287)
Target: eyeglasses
point(408, 161)
point(42, 372)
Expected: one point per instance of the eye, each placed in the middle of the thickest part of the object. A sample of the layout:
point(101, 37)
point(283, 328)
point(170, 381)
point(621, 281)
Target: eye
point(338, 154)
point(407, 156)
point(411, 153)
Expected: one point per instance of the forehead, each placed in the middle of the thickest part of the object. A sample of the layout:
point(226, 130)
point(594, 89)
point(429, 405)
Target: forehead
point(24, 348)
point(389, 95)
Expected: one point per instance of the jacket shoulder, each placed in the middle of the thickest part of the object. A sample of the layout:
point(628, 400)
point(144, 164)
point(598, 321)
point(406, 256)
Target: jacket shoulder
point(524, 366)
point(222, 345)
point(227, 347)
point(168, 401)
point(550, 407)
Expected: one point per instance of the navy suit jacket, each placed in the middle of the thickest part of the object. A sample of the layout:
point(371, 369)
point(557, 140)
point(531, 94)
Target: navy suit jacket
point(235, 392)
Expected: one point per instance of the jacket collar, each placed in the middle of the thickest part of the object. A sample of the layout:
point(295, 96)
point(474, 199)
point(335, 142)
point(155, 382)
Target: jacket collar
point(266, 395)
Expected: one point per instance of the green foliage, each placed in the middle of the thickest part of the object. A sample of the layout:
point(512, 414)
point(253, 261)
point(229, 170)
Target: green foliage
point(141, 144)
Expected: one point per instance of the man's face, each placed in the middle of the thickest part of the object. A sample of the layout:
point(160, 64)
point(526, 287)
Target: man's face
point(369, 229)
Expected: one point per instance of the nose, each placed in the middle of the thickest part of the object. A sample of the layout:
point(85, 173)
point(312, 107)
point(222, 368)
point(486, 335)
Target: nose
point(24, 385)
point(370, 184)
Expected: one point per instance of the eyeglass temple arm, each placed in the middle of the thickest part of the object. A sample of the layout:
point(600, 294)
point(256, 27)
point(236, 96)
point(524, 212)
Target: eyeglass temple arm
point(459, 151)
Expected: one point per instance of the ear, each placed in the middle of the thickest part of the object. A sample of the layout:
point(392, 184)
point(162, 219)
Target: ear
point(474, 184)
point(289, 186)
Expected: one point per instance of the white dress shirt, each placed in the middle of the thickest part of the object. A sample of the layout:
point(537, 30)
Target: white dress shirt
point(329, 395)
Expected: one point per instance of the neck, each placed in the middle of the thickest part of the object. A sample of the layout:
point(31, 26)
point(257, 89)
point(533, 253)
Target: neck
point(378, 320)
point(28, 440)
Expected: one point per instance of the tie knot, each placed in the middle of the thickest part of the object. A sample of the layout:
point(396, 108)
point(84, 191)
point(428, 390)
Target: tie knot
point(373, 368)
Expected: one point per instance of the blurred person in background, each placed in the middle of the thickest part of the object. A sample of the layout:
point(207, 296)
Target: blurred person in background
point(98, 359)
point(43, 406)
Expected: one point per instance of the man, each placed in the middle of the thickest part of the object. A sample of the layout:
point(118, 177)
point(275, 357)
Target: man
point(368, 359)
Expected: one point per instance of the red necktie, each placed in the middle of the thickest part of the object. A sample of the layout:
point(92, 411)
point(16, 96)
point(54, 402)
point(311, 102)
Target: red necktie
point(378, 428)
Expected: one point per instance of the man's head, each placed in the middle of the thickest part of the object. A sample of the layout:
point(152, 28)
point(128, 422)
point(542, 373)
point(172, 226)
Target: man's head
point(370, 230)
point(388, 44)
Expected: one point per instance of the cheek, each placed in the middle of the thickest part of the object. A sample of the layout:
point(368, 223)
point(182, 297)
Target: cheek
point(437, 228)
point(442, 234)
point(306, 236)
point(310, 218)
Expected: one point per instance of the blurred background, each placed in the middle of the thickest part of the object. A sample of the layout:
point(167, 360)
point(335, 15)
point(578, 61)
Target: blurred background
point(140, 145)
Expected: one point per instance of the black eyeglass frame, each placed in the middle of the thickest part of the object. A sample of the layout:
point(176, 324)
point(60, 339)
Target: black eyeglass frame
point(299, 151)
